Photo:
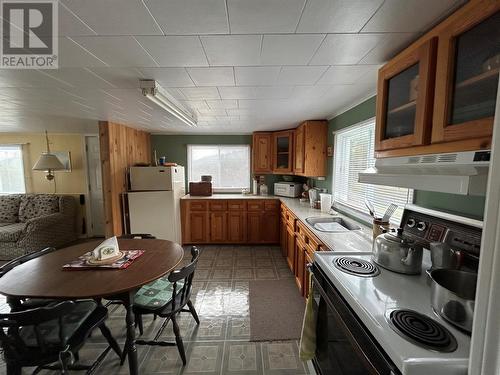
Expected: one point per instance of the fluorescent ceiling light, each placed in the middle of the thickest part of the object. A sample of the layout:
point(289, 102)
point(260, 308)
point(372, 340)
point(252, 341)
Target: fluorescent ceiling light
point(154, 92)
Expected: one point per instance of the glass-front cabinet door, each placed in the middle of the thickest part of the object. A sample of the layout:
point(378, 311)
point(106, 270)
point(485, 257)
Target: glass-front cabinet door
point(405, 98)
point(283, 151)
point(468, 65)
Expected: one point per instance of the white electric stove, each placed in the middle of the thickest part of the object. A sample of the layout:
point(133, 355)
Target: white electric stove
point(373, 320)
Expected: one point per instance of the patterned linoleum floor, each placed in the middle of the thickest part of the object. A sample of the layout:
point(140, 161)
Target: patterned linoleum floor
point(220, 344)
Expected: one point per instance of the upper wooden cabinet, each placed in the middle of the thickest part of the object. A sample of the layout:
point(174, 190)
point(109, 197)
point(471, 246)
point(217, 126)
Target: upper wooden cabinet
point(299, 154)
point(300, 151)
point(262, 151)
point(467, 75)
point(439, 94)
point(310, 149)
point(283, 152)
point(405, 98)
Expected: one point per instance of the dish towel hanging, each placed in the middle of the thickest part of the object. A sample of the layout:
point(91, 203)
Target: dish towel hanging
point(308, 337)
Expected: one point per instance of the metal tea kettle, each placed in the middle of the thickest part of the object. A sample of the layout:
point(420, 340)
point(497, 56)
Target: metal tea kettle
point(398, 253)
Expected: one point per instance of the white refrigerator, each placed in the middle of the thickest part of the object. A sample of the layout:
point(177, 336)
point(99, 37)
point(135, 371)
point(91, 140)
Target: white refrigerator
point(154, 201)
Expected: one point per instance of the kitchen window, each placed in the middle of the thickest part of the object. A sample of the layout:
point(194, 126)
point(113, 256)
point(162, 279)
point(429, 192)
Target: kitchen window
point(229, 166)
point(354, 152)
point(11, 169)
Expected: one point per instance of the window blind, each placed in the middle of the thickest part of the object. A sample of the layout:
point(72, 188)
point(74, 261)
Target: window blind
point(11, 169)
point(354, 150)
point(229, 166)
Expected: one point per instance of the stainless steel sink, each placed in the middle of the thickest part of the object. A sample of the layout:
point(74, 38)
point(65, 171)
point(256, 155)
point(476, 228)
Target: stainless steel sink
point(332, 224)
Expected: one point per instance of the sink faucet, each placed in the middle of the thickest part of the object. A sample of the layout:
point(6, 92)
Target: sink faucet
point(332, 210)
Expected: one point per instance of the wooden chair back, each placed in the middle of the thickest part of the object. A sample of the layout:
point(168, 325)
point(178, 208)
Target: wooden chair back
point(11, 323)
point(23, 259)
point(182, 294)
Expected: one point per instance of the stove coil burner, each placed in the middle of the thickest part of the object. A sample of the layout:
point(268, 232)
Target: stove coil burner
point(422, 331)
point(357, 267)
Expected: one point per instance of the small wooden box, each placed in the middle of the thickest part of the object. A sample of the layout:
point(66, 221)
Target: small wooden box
point(201, 189)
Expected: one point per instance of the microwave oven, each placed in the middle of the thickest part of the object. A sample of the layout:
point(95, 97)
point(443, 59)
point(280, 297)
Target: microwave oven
point(287, 189)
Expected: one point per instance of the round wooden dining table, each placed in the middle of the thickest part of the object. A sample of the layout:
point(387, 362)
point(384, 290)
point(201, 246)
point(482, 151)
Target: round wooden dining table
point(44, 277)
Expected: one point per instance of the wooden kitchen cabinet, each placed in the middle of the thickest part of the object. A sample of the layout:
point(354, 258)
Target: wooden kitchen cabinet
point(308, 260)
point(405, 98)
point(310, 149)
point(263, 224)
point(290, 248)
point(198, 227)
point(236, 227)
point(299, 154)
point(262, 153)
point(283, 152)
point(254, 227)
point(218, 227)
point(468, 64)
point(232, 221)
point(283, 235)
point(300, 250)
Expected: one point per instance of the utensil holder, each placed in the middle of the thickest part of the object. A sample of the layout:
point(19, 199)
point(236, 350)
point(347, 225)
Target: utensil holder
point(379, 226)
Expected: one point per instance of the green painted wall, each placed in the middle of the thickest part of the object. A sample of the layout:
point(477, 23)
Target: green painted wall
point(174, 148)
point(470, 206)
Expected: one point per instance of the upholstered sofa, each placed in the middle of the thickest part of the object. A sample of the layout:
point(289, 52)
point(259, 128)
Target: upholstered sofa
point(32, 222)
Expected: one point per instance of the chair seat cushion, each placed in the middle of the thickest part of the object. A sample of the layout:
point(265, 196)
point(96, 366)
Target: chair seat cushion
point(50, 330)
point(11, 232)
point(157, 294)
point(9, 208)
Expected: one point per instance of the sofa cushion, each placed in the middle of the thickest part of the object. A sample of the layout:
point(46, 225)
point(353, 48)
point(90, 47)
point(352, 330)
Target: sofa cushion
point(37, 205)
point(12, 232)
point(9, 208)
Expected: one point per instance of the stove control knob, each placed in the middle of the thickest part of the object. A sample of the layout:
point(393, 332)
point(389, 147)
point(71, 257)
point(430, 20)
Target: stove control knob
point(411, 223)
point(421, 226)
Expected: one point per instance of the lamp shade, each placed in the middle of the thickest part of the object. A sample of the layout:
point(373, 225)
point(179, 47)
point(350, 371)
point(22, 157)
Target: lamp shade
point(48, 162)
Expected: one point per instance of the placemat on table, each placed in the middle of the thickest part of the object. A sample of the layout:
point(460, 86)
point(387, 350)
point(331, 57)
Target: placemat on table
point(82, 264)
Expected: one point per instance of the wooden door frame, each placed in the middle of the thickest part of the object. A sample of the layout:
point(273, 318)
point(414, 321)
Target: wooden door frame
point(445, 70)
point(88, 205)
point(425, 56)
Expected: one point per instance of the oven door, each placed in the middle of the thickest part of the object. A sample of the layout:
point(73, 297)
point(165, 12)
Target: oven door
point(343, 345)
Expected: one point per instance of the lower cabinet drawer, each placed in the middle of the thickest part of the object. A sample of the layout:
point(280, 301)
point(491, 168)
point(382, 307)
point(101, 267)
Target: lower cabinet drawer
point(198, 205)
point(271, 205)
point(236, 205)
point(218, 206)
point(255, 206)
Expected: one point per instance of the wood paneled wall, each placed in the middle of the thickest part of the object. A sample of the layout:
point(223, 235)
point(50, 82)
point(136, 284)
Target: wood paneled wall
point(121, 147)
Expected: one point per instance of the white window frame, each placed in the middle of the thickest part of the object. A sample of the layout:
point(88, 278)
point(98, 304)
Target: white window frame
point(20, 148)
point(354, 211)
point(221, 189)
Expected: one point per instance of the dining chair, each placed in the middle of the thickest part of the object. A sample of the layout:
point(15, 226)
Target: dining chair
point(25, 303)
point(50, 337)
point(167, 297)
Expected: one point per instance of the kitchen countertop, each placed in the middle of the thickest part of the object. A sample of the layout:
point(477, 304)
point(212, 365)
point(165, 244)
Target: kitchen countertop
point(231, 196)
point(350, 242)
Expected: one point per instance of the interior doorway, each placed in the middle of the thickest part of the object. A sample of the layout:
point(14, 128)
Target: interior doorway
point(95, 204)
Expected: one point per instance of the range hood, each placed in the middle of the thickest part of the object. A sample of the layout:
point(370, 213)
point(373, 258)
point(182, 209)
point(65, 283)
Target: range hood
point(464, 173)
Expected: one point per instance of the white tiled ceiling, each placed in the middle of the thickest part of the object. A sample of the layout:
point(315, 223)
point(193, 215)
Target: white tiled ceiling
point(264, 16)
point(239, 65)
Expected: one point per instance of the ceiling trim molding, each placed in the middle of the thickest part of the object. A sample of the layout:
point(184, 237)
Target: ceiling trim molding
point(351, 106)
